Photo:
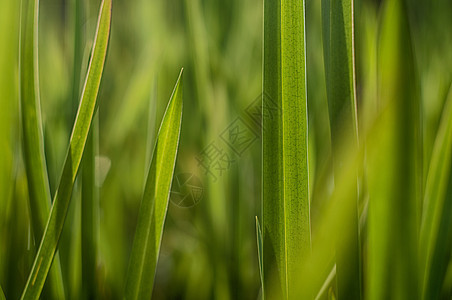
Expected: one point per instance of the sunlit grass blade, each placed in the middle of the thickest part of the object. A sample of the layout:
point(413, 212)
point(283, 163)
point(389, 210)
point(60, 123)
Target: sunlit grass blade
point(436, 227)
point(78, 139)
point(259, 253)
point(34, 158)
point(394, 165)
point(154, 205)
point(2, 295)
point(285, 220)
point(338, 37)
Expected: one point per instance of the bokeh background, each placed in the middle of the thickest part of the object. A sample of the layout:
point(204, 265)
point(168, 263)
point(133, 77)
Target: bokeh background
point(209, 247)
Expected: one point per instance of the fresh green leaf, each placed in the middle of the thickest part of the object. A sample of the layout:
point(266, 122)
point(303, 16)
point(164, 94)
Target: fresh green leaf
point(154, 205)
point(286, 216)
point(78, 139)
point(338, 40)
point(436, 227)
point(394, 165)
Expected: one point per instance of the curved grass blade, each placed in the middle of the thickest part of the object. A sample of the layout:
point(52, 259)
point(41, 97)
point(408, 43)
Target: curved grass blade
point(78, 139)
point(154, 205)
point(34, 158)
point(338, 37)
point(286, 217)
point(436, 227)
point(2, 295)
point(394, 165)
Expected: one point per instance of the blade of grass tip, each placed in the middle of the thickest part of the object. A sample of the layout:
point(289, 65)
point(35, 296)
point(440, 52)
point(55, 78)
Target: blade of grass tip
point(154, 205)
point(394, 165)
point(259, 253)
point(338, 37)
point(436, 227)
point(78, 139)
point(286, 216)
point(90, 213)
point(34, 158)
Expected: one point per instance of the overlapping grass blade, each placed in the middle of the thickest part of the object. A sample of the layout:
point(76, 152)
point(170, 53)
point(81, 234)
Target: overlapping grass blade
point(2, 295)
point(436, 227)
point(285, 221)
point(79, 135)
point(394, 165)
point(34, 158)
point(154, 205)
point(338, 40)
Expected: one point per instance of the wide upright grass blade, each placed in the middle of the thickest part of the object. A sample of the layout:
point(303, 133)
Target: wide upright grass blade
point(154, 205)
point(394, 165)
point(338, 41)
point(285, 221)
point(79, 136)
point(436, 227)
point(34, 158)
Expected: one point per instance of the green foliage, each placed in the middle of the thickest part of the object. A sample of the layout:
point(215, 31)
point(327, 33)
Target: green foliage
point(394, 171)
point(339, 60)
point(49, 241)
point(35, 164)
point(154, 205)
point(285, 220)
point(369, 218)
point(435, 234)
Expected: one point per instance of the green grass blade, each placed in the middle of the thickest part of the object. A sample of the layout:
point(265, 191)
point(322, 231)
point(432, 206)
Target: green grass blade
point(154, 205)
point(34, 158)
point(338, 40)
point(286, 224)
point(259, 253)
point(394, 165)
point(90, 213)
point(436, 227)
point(78, 139)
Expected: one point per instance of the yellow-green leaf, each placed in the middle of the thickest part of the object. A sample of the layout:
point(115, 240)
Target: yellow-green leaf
point(154, 205)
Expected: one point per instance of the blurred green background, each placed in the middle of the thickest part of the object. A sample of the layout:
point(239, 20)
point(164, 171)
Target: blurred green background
point(208, 249)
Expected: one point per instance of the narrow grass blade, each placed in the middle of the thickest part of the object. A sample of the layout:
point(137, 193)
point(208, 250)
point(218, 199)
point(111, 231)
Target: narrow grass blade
point(436, 227)
point(338, 40)
point(78, 139)
point(286, 218)
point(34, 158)
point(90, 214)
point(327, 284)
point(259, 253)
point(154, 205)
point(394, 165)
